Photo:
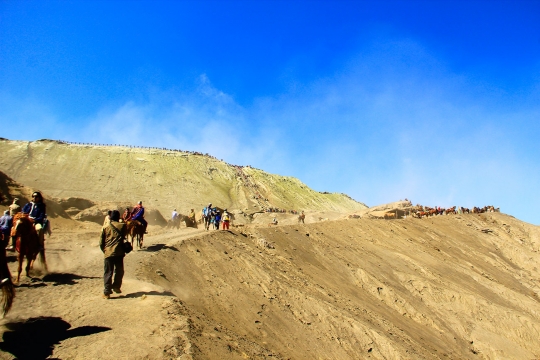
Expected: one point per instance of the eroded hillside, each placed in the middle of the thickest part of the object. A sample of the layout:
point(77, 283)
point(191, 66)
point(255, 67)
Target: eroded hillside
point(163, 179)
point(462, 286)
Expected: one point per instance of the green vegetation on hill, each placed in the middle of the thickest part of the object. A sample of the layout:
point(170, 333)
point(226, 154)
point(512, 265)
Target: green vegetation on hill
point(162, 179)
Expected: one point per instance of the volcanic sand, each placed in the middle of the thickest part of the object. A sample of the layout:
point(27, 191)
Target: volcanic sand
point(463, 286)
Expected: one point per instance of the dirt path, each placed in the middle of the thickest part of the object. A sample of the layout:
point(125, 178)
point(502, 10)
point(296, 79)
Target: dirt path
point(63, 315)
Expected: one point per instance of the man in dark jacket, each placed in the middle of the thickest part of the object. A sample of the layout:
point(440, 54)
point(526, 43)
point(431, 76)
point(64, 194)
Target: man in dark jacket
point(112, 240)
point(36, 210)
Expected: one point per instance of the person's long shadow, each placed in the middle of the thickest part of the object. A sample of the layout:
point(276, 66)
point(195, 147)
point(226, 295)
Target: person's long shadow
point(35, 338)
point(65, 278)
point(158, 247)
point(141, 293)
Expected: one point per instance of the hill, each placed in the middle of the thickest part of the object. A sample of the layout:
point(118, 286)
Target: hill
point(163, 179)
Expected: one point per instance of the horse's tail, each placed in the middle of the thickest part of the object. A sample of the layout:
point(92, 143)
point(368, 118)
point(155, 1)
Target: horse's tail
point(8, 294)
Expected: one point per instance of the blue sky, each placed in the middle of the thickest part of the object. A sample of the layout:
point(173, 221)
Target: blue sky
point(436, 101)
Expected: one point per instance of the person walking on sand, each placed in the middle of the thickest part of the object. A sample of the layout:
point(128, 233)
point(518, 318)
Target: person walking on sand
point(207, 215)
point(6, 221)
point(111, 243)
point(226, 218)
point(217, 220)
point(191, 218)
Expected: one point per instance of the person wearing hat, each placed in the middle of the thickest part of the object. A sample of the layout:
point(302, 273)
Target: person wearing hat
point(111, 243)
point(6, 221)
point(226, 218)
point(138, 214)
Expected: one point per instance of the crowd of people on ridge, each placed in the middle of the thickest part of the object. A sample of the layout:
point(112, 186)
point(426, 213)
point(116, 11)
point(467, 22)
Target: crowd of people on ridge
point(213, 216)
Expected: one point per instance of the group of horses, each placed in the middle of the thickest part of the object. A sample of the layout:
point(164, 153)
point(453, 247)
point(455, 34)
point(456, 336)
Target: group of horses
point(424, 211)
point(29, 244)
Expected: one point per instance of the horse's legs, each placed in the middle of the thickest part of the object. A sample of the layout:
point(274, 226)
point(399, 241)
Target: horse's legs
point(28, 263)
point(43, 260)
point(19, 269)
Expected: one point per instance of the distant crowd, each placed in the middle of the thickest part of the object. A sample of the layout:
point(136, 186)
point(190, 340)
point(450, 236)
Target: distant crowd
point(153, 148)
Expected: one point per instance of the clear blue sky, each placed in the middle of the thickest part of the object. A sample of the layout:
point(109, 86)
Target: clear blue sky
point(436, 101)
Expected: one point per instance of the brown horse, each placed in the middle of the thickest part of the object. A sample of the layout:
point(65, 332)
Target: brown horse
point(136, 230)
point(27, 242)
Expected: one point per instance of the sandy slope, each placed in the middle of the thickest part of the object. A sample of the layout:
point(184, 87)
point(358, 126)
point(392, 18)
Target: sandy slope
point(368, 288)
point(346, 289)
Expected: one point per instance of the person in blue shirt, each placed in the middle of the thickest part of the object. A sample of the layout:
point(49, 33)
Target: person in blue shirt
point(6, 222)
point(138, 214)
point(217, 220)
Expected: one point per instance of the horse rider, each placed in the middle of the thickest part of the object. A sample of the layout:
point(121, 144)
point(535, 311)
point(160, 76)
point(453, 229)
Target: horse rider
point(138, 214)
point(126, 216)
point(36, 211)
point(6, 221)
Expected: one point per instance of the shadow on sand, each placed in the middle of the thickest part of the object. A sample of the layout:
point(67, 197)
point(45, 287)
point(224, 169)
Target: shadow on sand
point(35, 338)
point(158, 247)
point(141, 293)
point(65, 278)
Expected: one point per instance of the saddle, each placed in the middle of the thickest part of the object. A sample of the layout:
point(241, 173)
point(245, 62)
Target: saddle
point(134, 223)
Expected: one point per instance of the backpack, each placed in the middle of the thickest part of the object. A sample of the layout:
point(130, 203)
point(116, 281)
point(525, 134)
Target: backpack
point(226, 217)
